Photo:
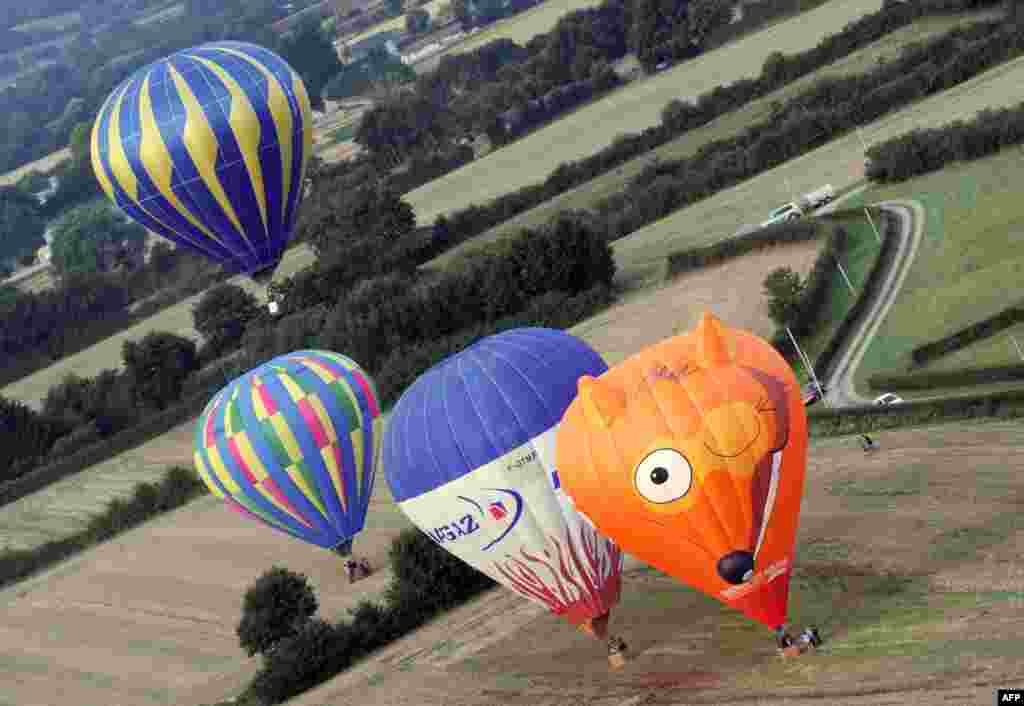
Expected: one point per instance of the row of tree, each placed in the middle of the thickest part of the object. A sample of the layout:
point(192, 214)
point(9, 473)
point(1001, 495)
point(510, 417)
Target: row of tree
point(826, 110)
point(469, 93)
point(678, 117)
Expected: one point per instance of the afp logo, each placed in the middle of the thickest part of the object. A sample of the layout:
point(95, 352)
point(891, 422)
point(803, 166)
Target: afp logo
point(1009, 696)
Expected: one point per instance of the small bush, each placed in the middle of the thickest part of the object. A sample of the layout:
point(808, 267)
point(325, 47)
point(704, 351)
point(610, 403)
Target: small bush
point(316, 652)
point(276, 607)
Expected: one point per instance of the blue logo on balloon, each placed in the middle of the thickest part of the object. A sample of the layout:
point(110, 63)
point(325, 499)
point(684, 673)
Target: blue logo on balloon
point(503, 511)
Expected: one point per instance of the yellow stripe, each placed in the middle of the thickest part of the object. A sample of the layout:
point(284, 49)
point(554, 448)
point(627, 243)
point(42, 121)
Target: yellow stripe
point(204, 473)
point(257, 401)
point(281, 113)
point(222, 472)
point(294, 391)
point(201, 142)
point(245, 125)
point(306, 111)
point(157, 162)
point(319, 370)
point(300, 480)
point(97, 162)
point(325, 419)
point(283, 508)
point(284, 434)
point(327, 453)
point(353, 399)
point(357, 452)
point(250, 457)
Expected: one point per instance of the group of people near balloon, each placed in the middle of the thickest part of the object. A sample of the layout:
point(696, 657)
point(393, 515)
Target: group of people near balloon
point(528, 458)
point(524, 455)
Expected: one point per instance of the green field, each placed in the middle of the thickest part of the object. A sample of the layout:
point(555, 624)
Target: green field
point(969, 267)
point(587, 195)
point(988, 352)
point(629, 109)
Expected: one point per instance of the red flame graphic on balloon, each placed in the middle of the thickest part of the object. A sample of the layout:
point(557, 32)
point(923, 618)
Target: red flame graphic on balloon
point(584, 580)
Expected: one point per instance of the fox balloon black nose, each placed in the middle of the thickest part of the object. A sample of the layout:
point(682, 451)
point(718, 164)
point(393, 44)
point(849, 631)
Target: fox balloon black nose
point(736, 567)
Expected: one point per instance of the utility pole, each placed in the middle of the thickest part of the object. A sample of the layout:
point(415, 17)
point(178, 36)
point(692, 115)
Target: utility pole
point(873, 227)
point(1019, 352)
point(807, 364)
point(842, 271)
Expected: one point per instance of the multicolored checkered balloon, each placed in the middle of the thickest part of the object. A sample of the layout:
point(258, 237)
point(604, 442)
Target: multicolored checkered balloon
point(294, 443)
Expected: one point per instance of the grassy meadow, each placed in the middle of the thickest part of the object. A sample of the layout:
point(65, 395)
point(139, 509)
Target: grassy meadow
point(969, 267)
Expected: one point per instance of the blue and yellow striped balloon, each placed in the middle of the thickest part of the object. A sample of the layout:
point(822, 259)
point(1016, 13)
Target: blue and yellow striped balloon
point(208, 147)
point(294, 443)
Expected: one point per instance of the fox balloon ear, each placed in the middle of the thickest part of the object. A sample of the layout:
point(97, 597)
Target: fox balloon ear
point(712, 349)
point(602, 404)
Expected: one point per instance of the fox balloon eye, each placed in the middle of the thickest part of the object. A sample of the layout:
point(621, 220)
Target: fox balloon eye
point(664, 476)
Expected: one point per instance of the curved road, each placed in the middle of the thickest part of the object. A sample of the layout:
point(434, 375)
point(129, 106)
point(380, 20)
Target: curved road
point(839, 382)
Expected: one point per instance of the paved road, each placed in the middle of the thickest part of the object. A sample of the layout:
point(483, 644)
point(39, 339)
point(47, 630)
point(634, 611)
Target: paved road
point(839, 382)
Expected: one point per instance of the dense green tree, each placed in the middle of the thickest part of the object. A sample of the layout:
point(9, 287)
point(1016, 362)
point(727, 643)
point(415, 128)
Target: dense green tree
point(84, 236)
point(221, 316)
point(21, 223)
point(783, 288)
point(159, 364)
point(310, 52)
point(274, 608)
point(706, 16)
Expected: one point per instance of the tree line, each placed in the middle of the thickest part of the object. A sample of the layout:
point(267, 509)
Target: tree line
point(679, 117)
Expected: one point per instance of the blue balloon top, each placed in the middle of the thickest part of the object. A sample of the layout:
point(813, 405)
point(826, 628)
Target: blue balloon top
point(481, 403)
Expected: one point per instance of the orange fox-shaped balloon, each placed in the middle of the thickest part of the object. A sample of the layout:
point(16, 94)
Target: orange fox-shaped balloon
point(690, 455)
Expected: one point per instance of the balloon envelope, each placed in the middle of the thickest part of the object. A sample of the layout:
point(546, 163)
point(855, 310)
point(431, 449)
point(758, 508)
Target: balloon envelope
point(691, 456)
point(208, 148)
point(469, 457)
point(294, 444)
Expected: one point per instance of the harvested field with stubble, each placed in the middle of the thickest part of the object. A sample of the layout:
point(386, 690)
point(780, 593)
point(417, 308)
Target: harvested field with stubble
point(907, 563)
point(629, 109)
point(588, 195)
point(731, 290)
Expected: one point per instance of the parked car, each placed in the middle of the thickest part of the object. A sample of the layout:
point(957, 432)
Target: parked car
point(888, 399)
point(805, 204)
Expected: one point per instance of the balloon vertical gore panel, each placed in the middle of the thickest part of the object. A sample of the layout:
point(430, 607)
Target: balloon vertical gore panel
point(511, 526)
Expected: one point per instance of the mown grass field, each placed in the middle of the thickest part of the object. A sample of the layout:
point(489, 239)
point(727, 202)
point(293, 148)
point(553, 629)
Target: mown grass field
point(969, 267)
point(525, 26)
point(395, 24)
point(839, 163)
point(43, 164)
point(107, 353)
point(57, 23)
point(629, 109)
point(587, 195)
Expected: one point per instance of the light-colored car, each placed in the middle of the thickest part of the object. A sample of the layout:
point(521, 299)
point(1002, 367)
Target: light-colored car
point(887, 399)
point(786, 212)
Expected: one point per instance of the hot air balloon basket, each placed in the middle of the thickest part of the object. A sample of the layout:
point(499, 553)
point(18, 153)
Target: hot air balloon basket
point(616, 652)
point(357, 570)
